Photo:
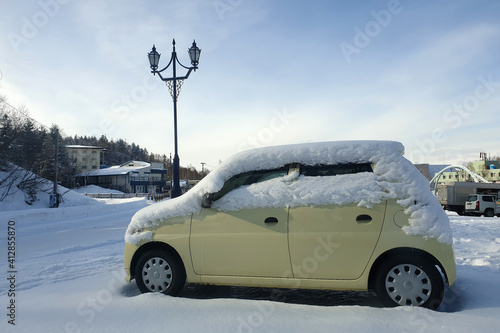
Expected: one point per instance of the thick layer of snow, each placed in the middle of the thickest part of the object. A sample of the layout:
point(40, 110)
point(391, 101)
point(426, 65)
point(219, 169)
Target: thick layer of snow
point(394, 177)
point(70, 279)
point(282, 192)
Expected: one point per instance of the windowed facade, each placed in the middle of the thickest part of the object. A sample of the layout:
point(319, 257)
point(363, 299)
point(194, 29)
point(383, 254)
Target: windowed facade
point(489, 170)
point(85, 158)
point(130, 177)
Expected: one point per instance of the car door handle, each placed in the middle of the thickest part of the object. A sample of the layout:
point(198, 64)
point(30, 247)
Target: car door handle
point(271, 220)
point(364, 218)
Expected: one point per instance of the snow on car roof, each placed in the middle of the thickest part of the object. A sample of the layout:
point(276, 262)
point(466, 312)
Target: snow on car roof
point(394, 177)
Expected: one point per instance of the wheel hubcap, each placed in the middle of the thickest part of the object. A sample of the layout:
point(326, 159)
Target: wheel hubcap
point(408, 284)
point(157, 274)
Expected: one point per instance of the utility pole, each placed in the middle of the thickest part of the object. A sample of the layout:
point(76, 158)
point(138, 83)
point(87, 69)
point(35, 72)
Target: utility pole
point(54, 197)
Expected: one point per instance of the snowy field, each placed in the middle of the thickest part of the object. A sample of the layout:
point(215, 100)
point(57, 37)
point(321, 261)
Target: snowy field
point(69, 278)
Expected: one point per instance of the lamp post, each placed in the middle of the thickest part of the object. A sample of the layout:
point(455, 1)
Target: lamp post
point(174, 84)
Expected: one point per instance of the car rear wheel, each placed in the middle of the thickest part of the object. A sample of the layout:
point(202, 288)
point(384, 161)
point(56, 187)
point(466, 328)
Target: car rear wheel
point(159, 271)
point(489, 213)
point(409, 281)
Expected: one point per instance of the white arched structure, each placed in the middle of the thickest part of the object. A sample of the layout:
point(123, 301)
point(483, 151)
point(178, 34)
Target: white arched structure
point(477, 178)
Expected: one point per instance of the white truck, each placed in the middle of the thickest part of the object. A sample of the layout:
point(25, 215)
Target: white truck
point(452, 196)
point(481, 204)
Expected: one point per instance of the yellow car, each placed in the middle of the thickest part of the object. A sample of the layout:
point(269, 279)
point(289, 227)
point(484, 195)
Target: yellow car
point(348, 215)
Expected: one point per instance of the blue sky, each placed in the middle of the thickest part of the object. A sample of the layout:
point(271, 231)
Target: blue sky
point(425, 73)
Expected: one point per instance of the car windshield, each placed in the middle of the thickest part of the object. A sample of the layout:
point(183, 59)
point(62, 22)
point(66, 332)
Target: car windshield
point(472, 198)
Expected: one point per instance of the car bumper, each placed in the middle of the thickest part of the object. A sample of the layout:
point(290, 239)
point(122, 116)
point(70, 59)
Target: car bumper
point(128, 256)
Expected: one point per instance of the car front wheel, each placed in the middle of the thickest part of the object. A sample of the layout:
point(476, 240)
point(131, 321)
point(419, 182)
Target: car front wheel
point(159, 271)
point(409, 281)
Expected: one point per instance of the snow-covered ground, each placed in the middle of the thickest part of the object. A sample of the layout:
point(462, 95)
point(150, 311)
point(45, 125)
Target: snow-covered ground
point(95, 189)
point(69, 278)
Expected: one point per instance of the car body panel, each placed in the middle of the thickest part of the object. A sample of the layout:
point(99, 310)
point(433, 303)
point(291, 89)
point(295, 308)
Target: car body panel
point(394, 238)
point(240, 243)
point(326, 238)
point(174, 232)
point(315, 268)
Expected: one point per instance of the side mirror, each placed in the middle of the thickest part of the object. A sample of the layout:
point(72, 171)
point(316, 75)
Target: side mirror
point(208, 198)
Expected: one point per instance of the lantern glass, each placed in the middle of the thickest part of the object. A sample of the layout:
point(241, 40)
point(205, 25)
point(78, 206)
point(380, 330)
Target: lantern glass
point(154, 58)
point(194, 54)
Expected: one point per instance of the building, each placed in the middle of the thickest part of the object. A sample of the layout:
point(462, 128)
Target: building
point(85, 158)
point(429, 170)
point(130, 177)
point(489, 170)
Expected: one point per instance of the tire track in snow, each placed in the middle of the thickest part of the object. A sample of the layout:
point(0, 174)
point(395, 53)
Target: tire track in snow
point(69, 243)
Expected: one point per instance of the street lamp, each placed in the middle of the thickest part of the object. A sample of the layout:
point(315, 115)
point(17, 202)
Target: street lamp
point(174, 84)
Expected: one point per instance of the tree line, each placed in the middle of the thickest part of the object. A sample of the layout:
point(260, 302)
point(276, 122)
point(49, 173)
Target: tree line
point(28, 154)
point(116, 151)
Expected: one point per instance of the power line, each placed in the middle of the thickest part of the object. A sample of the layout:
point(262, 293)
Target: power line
point(24, 113)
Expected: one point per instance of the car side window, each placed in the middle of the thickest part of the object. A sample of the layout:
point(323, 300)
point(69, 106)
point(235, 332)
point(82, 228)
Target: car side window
point(333, 170)
point(249, 178)
point(488, 199)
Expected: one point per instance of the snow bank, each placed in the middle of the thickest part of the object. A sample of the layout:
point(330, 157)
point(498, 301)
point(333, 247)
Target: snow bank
point(16, 200)
point(95, 189)
point(394, 177)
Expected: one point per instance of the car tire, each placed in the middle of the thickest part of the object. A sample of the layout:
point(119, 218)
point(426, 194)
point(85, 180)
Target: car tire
point(404, 280)
point(160, 271)
point(489, 213)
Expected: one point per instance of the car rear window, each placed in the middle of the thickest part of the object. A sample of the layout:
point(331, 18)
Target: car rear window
point(472, 198)
point(334, 170)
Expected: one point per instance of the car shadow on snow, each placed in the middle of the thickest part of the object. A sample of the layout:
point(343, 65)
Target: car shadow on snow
point(452, 301)
point(294, 296)
point(476, 287)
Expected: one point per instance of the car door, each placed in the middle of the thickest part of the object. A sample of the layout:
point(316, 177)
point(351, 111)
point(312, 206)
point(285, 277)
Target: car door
point(247, 242)
point(241, 242)
point(333, 241)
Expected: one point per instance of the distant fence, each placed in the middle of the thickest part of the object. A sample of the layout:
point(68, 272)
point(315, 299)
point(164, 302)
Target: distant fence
point(150, 196)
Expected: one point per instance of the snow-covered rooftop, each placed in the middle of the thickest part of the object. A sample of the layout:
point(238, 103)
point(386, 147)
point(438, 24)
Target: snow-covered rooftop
point(135, 164)
point(83, 147)
point(117, 169)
